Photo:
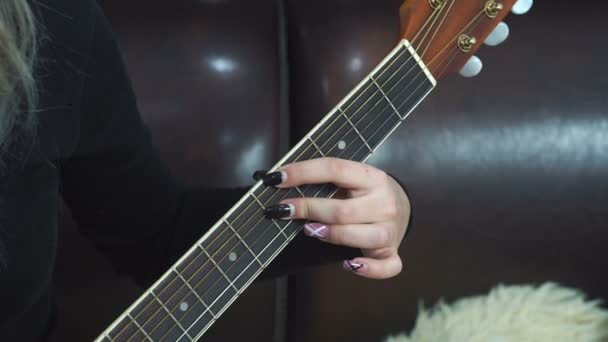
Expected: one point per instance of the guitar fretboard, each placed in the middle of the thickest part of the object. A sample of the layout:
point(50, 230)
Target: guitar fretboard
point(199, 287)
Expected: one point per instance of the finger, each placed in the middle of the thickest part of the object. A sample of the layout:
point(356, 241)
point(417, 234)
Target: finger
point(353, 235)
point(331, 211)
point(342, 173)
point(375, 268)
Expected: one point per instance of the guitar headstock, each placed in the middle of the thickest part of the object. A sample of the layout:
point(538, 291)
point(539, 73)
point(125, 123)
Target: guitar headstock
point(447, 33)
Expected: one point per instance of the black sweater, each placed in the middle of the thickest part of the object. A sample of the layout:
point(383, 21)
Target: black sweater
point(92, 149)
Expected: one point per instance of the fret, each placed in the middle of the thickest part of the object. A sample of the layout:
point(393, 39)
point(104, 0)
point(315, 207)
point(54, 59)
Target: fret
point(152, 318)
point(386, 97)
point(360, 98)
point(339, 137)
point(359, 111)
point(200, 300)
point(267, 241)
point(240, 263)
point(138, 336)
point(267, 195)
point(356, 130)
point(326, 190)
point(243, 242)
point(423, 87)
point(396, 74)
point(297, 188)
point(382, 116)
point(220, 269)
point(141, 330)
point(274, 222)
point(187, 311)
point(211, 276)
point(317, 147)
point(170, 315)
point(249, 211)
point(216, 243)
point(305, 151)
point(259, 230)
point(212, 287)
point(123, 330)
point(204, 280)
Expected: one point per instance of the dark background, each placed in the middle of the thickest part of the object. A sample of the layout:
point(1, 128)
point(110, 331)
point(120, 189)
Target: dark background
point(507, 171)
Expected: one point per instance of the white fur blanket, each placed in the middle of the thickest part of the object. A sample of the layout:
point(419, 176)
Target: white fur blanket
point(547, 313)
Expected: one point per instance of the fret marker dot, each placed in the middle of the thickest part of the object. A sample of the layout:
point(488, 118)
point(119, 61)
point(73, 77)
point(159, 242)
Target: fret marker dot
point(342, 145)
point(232, 256)
point(183, 306)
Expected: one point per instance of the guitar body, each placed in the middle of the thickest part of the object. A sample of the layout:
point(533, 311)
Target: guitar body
point(438, 38)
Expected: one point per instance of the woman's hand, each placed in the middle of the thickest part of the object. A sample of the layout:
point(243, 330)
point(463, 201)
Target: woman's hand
point(371, 212)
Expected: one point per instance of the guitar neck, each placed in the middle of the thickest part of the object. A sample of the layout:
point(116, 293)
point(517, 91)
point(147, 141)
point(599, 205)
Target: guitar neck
point(200, 286)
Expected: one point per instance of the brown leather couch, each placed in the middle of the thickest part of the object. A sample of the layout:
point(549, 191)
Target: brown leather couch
point(507, 171)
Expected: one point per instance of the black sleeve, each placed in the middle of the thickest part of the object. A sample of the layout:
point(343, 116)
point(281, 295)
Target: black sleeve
point(120, 192)
point(123, 196)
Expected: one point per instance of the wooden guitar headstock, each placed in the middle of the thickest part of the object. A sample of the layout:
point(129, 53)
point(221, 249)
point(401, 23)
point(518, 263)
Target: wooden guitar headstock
point(447, 33)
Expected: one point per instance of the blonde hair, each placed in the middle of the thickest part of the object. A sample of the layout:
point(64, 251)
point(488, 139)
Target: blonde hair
point(18, 93)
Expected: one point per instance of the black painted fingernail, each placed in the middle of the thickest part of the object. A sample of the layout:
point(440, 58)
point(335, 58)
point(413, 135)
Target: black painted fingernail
point(259, 175)
point(280, 211)
point(275, 178)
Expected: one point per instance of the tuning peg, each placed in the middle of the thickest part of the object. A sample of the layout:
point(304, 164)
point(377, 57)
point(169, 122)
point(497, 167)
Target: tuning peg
point(499, 35)
point(472, 68)
point(522, 6)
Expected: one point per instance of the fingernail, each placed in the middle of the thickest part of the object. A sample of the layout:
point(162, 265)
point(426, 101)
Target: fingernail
point(315, 230)
point(280, 211)
point(259, 175)
point(275, 178)
point(353, 266)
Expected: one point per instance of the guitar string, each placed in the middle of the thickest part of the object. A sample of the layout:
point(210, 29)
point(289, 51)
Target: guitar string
point(437, 29)
point(455, 54)
point(283, 244)
point(384, 123)
point(355, 152)
point(384, 108)
point(397, 58)
point(295, 233)
point(267, 228)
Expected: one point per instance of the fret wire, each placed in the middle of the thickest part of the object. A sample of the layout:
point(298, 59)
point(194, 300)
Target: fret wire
point(171, 315)
point(207, 308)
point(108, 337)
point(259, 202)
point(392, 62)
point(371, 96)
point(286, 240)
point(273, 239)
point(315, 145)
point(300, 191)
point(264, 207)
point(355, 129)
point(242, 241)
point(249, 265)
point(255, 275)
point(139, 327)
point(215, 315)
point(386, 97)
point(218, 267)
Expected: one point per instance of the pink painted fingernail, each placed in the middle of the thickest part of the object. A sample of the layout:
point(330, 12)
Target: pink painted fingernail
point(353, 266)
point(315, 230)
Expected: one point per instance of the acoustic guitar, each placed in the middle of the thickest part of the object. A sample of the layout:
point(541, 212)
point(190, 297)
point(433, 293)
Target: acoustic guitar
point(438, 38)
